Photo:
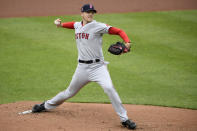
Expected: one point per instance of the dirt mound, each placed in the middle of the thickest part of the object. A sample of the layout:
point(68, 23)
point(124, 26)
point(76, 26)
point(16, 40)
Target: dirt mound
point(95, 117)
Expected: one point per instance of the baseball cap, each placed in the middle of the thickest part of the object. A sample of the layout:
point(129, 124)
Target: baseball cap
point(88, 7)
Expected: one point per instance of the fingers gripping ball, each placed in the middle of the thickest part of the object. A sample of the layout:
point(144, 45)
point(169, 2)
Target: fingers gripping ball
point(118, 48)
point(57, 22)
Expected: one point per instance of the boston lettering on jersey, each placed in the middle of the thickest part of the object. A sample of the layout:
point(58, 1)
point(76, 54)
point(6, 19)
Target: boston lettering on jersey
point(82, 36)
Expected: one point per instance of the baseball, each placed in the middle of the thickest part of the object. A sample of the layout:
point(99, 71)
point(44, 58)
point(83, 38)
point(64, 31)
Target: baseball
point(57, 22)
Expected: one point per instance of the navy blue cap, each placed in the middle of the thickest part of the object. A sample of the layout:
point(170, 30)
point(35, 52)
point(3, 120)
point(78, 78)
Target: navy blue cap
point(88, 7)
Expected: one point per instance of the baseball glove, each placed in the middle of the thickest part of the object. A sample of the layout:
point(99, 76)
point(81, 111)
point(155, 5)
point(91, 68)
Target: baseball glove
point(118, 48)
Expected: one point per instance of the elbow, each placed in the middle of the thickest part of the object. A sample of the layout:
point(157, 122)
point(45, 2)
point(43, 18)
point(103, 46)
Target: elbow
point(115, 31)
point(120, 31)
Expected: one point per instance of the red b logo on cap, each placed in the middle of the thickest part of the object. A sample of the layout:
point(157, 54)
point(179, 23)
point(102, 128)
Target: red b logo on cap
point(90, 5)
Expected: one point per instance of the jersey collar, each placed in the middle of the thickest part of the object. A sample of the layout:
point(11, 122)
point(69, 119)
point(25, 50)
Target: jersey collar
point(87, 23)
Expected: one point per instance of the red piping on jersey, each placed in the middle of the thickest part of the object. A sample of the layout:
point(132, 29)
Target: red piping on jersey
point(121, 33)
point(69, 25)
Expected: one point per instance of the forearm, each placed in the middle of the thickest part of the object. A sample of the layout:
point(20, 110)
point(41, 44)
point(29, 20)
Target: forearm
point(69, 25)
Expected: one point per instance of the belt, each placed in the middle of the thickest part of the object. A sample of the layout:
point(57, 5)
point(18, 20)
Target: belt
point(89, 61)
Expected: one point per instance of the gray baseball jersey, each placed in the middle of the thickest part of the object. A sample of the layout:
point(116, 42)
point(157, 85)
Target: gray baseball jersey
point(89, 39)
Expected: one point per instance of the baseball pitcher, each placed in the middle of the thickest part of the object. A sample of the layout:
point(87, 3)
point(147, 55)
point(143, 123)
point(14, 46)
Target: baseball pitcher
point(91, 65)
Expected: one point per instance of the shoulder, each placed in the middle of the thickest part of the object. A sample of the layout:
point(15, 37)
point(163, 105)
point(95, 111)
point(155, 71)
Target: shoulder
point(77, 24)
point(99, 23)
point(100, 27)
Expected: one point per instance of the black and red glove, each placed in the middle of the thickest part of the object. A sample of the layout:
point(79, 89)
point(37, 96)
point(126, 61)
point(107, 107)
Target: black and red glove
point(118, 48)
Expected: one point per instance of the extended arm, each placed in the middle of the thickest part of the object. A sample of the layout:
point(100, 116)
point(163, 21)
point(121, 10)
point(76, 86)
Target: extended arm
point(69, 25)
point(122, 34)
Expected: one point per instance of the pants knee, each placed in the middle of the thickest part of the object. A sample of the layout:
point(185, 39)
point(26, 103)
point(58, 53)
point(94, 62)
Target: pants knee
point(108, 89)
point(67, 93)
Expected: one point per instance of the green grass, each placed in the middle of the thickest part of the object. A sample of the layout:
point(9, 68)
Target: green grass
point(37, 60)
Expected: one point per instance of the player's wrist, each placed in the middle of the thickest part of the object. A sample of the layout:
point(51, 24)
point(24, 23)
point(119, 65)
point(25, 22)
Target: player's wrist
point(128, 45)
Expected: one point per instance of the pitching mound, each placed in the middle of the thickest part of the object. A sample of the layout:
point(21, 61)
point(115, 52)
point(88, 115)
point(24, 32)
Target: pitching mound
point(95, 117)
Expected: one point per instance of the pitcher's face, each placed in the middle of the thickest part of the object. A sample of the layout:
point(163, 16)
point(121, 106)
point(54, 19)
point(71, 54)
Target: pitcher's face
point(88, 16)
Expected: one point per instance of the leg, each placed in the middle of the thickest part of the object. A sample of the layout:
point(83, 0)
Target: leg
point(78, 81)
point(102, 77)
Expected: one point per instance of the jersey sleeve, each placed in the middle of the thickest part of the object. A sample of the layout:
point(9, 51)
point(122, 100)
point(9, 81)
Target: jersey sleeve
point(77, 24)
point(121, 33)
point(69, 25)
point(102, 28)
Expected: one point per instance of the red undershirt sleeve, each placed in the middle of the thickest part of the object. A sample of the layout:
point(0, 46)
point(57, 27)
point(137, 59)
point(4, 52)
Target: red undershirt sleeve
point(121, 33)
point(69, 25)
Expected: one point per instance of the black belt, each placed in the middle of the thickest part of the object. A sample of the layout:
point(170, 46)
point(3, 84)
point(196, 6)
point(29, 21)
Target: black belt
point(89, 61)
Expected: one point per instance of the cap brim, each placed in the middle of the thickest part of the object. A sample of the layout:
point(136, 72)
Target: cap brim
point(90, 10)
